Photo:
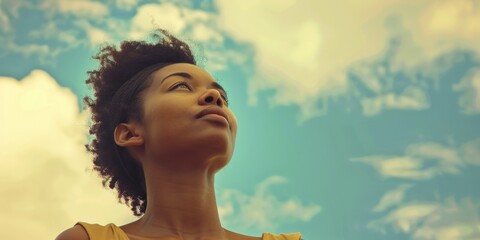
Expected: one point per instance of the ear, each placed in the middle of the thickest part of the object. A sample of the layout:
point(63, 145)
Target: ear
point(127, 135)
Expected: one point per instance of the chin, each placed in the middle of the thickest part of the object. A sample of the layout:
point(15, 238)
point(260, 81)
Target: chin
point(219, 162)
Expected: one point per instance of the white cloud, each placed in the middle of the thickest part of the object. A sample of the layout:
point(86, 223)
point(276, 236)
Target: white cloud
point(426, 160)
point(392, 198)
point(126, 4)
point(4, 21)
point(95, 35)
point(42, 51)
point(217, 60)
point(263, 210)
point(197, 27)
point(379, 88)
point(78, 8)
point(45, 53)
point(432, 28)
point(412, 98)
point(469, 102)
point(182, 21)
point(83, 8)
point(12, 7)
point(204, 33)
point(51, 31)
point(43, 162)
point(166, 15)
point(446, 221)
point(471, 152)
point(303, 47)
point(370, 76)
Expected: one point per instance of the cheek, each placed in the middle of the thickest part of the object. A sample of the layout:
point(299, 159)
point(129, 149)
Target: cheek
point(164, 121)
point(234, 126)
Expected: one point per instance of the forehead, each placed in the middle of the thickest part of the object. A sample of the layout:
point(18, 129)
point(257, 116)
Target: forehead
point(197, 72)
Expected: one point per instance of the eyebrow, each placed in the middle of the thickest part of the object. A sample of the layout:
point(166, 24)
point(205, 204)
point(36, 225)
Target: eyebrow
point(214, 84)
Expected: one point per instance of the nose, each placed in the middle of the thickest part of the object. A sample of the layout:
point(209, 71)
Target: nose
point(211, 96)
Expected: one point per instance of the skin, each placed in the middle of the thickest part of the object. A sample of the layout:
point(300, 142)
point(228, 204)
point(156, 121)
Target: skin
point(180, 155)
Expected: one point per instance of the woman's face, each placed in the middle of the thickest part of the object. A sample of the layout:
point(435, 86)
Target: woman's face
point(177, 133)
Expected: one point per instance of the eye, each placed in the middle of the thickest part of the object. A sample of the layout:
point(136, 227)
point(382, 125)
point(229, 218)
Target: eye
point(225, 99)
point(184, 84)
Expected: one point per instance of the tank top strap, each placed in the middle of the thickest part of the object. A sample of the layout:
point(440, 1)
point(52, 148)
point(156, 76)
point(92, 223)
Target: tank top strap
point(282, 236)
point(103, 232)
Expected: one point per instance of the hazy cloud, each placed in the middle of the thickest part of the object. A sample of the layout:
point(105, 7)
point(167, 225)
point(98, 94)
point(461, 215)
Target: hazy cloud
point(78, 8)
point(392, 198)
point(471, 152)
point(51, 31)
point(166, 15)
point(95, 35)
point(449, 220)
point(412, 98)
point(263, 211)
point(126, 4)
point(4, 21)
point(469, 102)
point(197, 27)
point(425, 160)
point(43, 51)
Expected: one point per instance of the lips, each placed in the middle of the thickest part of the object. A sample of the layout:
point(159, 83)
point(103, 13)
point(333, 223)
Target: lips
point(212, 110)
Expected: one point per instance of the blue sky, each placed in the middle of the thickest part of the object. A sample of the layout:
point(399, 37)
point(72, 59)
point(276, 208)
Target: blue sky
point(356, 120)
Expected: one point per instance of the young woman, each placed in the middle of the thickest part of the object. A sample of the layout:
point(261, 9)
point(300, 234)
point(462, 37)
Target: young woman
point(162, 130)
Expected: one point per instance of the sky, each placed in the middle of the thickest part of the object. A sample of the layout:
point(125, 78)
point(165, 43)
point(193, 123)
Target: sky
point(357, 119)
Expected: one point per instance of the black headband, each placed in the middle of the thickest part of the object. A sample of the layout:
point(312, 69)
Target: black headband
point(124, 95)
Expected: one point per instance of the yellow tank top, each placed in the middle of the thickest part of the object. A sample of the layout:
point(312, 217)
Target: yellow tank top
point(112, 232)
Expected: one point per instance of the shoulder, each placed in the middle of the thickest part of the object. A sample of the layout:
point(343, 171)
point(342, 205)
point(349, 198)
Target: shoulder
point(76, 232)
point(282, 236)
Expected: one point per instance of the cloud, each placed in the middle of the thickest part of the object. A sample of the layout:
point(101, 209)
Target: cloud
point(305, 49)
point(126, 4)
point(12, 7)
point(469, 102)
point(166, 15)
point(4, 21)
point(43, 51)
point(197, 27)
point(47, 40)
point(263, 210)
point(96, 36)
point(78, 8)
point(412, 98)
point(424, 161)
point(433, 28)
point(392, 198)
point(381, 88)
point(448, 220)
point(426, 220)
point(217, 59)
point(471, 152)
point(51, 31)
point(45, 182)
point(204, 33)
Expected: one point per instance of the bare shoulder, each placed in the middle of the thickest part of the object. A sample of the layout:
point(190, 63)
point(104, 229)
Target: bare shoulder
point(76, 232)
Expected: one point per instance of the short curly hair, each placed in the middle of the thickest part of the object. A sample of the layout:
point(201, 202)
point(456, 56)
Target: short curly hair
point(118, 67)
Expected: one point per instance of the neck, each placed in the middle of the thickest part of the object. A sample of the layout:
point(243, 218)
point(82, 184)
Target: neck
point(181, 203)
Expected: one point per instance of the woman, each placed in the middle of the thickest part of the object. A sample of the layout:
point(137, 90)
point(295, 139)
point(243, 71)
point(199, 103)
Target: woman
point(163, 129)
